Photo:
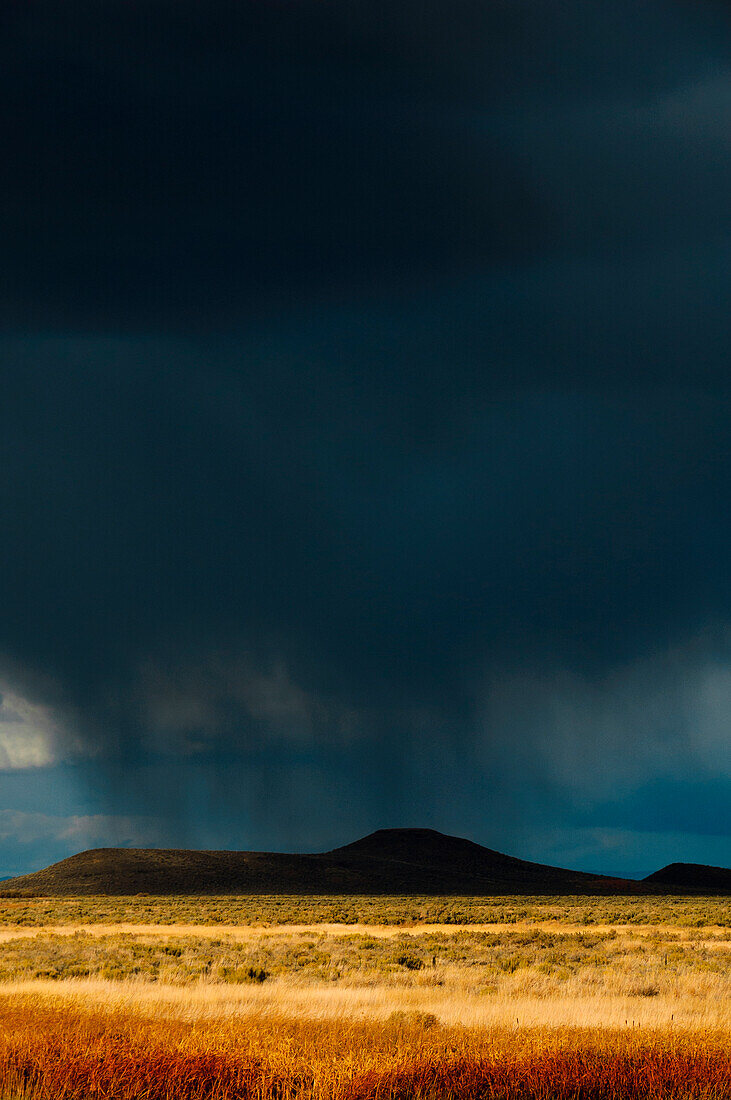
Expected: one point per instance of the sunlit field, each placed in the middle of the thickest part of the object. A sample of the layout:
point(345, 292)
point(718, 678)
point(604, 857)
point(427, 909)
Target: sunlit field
point(365, 997)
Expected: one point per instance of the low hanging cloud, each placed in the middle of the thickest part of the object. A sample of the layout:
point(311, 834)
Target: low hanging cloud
point(237, 701)
point(30, 735)
point(599, 735)
point(78, 831)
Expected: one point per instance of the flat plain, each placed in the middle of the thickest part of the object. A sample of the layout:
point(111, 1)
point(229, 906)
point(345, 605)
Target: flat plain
point(354, 997)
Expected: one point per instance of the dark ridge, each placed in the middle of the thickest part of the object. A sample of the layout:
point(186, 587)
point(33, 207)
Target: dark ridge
point(427, 848)
point(389, 861)
point(693, 876)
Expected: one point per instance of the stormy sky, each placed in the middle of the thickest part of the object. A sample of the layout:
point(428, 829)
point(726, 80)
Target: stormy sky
point(366, 426)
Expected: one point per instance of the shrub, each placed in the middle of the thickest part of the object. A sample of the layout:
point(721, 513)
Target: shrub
point(411, 962)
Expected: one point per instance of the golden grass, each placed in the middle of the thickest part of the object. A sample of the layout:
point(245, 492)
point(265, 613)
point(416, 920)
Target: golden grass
point(379, 931)
point(709, 1009)
point(554, 1001)
point(56, 1052)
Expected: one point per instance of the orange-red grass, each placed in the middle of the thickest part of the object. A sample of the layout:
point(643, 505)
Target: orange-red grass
point(60, 1052)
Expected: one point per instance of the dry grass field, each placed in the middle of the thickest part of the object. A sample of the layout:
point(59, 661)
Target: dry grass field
point(330, 998)
point(262, 910)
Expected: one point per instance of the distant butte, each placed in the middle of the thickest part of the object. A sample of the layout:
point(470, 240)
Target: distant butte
point(694, 876)
point(389, 861)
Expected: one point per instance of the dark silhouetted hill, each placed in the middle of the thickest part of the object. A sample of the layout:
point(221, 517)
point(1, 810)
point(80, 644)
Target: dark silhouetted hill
point(390, 861)
point(693, 876)
point(415, 854)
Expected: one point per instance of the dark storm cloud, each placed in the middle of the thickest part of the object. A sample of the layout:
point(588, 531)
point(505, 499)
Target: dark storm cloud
point(187, 165)
point(207, 162)
point(365, 415)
